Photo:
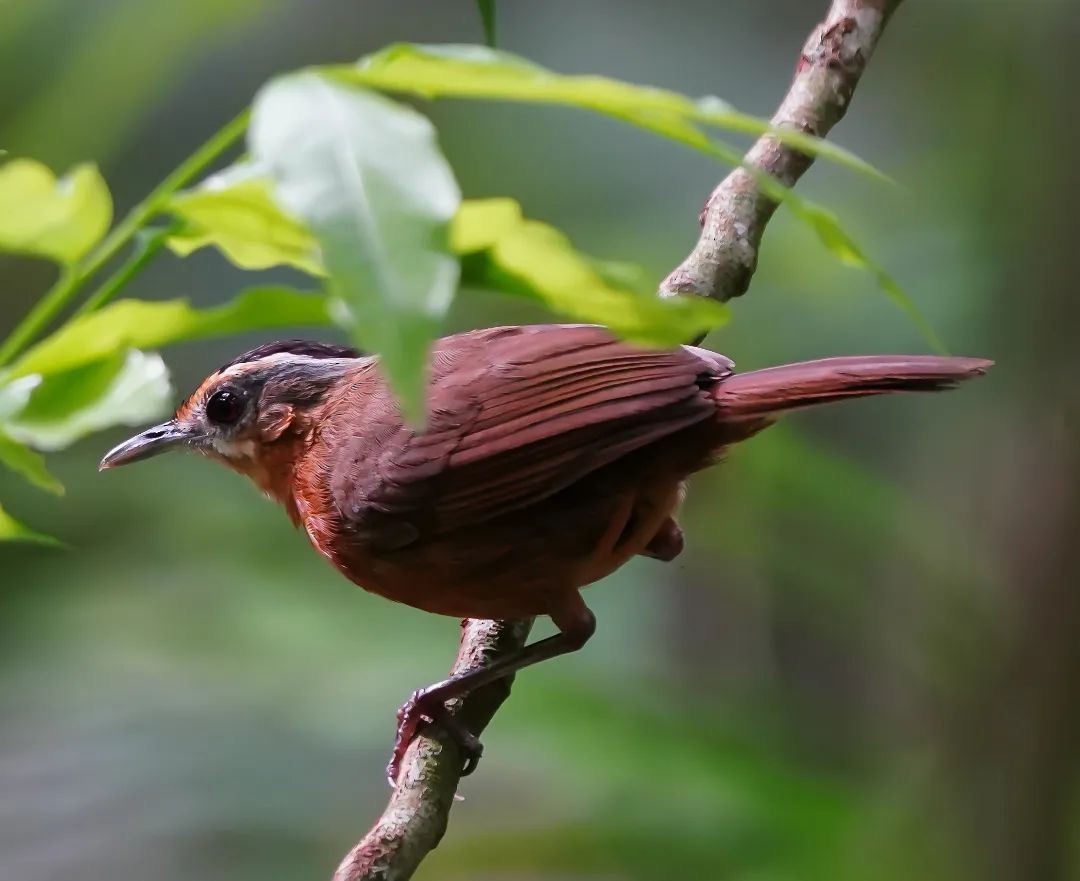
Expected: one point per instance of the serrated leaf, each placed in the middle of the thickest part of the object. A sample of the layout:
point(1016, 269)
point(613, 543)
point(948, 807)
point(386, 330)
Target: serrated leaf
point(58, 219)
point(127, 389)
point(366, 176)
point(236, 212)
point(139, 324)
point(536, 260)
point(29, 464)
point(12, 530)
point(480, 72)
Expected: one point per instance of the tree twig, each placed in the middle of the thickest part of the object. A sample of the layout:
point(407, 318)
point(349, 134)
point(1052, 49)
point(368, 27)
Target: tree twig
point(720, 266)
point(415, 819)
point(832, 61)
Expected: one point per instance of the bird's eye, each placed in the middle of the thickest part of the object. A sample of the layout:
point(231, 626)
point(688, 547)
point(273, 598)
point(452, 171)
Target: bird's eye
point(225, 407)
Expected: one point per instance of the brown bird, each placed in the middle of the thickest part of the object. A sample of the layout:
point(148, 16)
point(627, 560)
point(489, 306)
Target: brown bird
point(552, 454)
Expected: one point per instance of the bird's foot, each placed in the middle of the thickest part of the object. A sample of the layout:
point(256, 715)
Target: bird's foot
point(424, 708)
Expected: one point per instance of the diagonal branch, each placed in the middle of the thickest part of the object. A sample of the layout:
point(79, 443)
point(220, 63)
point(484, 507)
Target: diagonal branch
point(832, 61)
point(720, 266)
point(415, 819)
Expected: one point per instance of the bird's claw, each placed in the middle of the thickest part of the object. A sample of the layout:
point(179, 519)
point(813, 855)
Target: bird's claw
point(419, 711)
point(411, 718)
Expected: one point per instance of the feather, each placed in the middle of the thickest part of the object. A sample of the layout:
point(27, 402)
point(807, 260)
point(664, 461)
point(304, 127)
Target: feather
point(518, 414)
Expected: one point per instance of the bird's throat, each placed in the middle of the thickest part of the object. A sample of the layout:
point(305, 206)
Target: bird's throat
point(273, 471)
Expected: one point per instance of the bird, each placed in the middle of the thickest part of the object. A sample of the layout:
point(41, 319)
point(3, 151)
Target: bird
point(551, 455)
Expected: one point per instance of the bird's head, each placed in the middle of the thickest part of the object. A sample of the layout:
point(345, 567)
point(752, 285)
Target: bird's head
point(252, 412)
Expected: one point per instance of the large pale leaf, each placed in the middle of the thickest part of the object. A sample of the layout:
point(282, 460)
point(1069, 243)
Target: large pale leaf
point(126, 389)
point(463, 71)
point(139, 324)
point(29, 464)
point(12, 530)
point(366, 176)
point(59, 219)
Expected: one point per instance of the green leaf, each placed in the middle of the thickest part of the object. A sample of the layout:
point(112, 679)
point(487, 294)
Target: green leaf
point(12, 530)
point(535, 260)
point(235, 211)
point(713, 111)
point(487, 16)
point(238, 213)
point(480, 223)
point(623, 274)
point(58, 395)
point(139, 324)
point(29, 464)
point(15, 393)
point(125, 389)
point(366, 176)
point(59, 219)
point(479, 72)
point(620, 295)
point(847, 251)
point(232, 211)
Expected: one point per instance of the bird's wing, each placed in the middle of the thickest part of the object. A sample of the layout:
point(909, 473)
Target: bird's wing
point(516, 414)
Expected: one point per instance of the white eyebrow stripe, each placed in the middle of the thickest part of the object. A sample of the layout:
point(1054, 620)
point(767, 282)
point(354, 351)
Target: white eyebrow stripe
point(245, 367)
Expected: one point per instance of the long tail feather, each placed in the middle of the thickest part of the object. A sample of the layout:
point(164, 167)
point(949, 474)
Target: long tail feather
point(762, 393)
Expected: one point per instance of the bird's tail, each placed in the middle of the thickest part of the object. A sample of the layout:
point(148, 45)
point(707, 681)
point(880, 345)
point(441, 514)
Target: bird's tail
point(774, 390)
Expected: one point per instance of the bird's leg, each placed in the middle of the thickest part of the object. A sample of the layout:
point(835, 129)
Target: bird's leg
point(576, 624)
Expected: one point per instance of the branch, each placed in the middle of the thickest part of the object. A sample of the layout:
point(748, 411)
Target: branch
point(415, 819)
point(720, 266)
point(734, 217)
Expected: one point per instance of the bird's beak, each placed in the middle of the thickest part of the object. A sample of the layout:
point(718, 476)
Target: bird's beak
point(151, 442)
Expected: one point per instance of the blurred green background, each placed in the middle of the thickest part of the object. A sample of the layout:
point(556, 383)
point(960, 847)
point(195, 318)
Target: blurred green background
point(867, 663)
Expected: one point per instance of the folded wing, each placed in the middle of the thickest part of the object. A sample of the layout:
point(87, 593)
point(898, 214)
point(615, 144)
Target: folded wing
point(517, 414)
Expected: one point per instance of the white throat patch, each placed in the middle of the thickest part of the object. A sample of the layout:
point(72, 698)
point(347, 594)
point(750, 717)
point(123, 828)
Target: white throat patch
point(239, 449)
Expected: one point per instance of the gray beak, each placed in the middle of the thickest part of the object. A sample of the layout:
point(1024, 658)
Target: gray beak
point(154, 440)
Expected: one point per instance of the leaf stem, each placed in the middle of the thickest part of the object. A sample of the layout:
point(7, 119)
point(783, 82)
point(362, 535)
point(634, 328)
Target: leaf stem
point(148, 241)
point(73, 278)
point(487, 16)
